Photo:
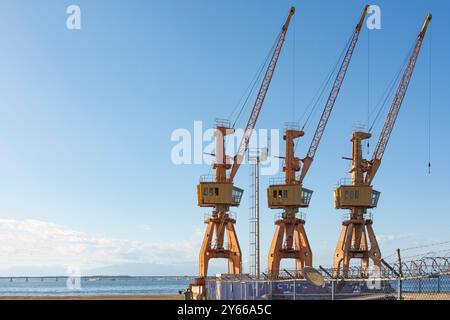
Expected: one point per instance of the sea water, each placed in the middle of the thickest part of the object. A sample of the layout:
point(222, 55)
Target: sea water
point(59, 286)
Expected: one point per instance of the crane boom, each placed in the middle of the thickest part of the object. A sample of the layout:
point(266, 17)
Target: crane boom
point(332, 98)
point(383, 139)
point(260, 98)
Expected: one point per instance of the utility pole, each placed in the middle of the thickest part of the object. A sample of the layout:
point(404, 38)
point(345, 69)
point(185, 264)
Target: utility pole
point(400, 271)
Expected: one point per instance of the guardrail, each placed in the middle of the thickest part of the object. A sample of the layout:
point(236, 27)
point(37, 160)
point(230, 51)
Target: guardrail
point(344, 182)
point(299, 215)
point(348, 215)
point(222, 123)
point(292, 126)
point(231, 215)
point(277, 181)
point(211, 178)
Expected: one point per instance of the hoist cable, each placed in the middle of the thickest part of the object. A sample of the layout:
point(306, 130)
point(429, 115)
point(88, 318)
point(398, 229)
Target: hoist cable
point(318, 96)
point(251, 86)
point(320, 92)
point(368, 88)
point(381, 105)
point(293, 72)
point(429, 102)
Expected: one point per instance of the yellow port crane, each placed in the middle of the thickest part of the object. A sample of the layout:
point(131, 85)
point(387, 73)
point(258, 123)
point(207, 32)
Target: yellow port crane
point(289, 194)
point(219, 192)
point(359, 195)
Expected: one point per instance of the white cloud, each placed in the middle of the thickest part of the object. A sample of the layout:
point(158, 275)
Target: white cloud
point(34, 243)
point(386, 238)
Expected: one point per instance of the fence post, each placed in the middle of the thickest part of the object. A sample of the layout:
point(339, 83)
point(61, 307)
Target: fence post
point(295, 290)
point(332, 289)
point(245, 291)
point(399, 288)
point(400, 270)
point(269, 283)
point(439, 284)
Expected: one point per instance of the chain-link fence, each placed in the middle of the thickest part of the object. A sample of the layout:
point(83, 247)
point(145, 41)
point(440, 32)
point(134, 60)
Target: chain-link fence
point(427, 288)
point(427, 279)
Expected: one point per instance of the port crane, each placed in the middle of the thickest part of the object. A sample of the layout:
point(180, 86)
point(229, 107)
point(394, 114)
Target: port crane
point(289, 194)
point(219, 192)
point(359, 195)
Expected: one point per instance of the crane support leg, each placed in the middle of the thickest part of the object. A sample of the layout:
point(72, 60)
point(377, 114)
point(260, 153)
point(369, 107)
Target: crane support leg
point(339, 252)
point(275, 249)
point(353, 244)
point(221, 223)
point(304, 254)
point(234, 250)
point(205, 249)
point(374, 252)
point(291, 230)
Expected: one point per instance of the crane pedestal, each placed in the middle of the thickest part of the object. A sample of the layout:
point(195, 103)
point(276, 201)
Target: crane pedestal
point(289, 242)
point(357, 240)
point(219, 224)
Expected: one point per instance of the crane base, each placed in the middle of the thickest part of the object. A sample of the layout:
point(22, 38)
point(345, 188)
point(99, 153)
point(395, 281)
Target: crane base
point(290, 229)
point(218, 225)
point(353, 244)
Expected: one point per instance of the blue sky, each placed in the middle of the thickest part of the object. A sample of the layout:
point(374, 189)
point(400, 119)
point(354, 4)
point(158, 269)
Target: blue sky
point(87, 115)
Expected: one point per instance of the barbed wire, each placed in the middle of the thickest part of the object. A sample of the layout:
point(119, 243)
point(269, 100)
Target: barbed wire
point(419, 247)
